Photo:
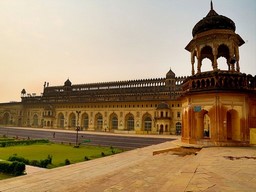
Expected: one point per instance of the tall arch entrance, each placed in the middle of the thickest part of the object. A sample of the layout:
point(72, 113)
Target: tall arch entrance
point(6, 119)
point(203, 125)
point(233, 125)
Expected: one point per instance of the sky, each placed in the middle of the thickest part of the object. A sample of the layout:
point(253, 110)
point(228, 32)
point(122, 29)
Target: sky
point(91, 41)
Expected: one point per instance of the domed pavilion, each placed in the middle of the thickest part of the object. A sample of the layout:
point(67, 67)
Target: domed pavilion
point(219, 106)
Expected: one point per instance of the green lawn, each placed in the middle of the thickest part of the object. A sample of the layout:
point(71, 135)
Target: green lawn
point(58, 152)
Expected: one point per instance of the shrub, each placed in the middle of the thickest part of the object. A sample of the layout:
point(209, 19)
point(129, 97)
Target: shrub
point(103, 154)
point(34, 163)
point(18, 168)
point(67, 162)
point(21, 142)
point(42, 163)
point(49, 157)
point(14, 168)
point(86, 158)
point(19, 159)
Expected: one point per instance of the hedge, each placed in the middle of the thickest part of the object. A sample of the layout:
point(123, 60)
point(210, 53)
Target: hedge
point(41, 163)
point(22, 142)
point(13, 168)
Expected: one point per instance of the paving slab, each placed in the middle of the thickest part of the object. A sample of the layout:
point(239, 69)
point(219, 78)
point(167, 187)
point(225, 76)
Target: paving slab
point(212, 169)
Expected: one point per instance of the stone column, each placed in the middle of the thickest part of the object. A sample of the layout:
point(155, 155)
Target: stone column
point(199, 64)
point(192, 63)
point(237, 59)
point(215, 64)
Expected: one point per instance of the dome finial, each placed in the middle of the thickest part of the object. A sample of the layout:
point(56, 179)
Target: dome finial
point(211, 5)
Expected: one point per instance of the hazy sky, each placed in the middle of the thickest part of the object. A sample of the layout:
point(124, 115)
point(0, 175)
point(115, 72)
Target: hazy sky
point(91, 41)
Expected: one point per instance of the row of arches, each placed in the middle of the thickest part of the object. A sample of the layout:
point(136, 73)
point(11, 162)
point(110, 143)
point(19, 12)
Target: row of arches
point(99, 123)
point(204, 127)
point(213, 52)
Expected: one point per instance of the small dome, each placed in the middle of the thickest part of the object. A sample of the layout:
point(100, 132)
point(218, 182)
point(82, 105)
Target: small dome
point(213, 21)
point(163, 105)
point(68, 83)
point(170, 74)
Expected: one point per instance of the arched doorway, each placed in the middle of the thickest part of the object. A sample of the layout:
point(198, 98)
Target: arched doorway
point(72, 120)
point(113, 121)
point(130, 122)
point(178, 128)
point(85, 121)
point(207, 123)
point(161, 130)
point(233, 125)
point(35, 120)
point(6, 119)
point(147, 123)
point(61, 120)
point(99, 121)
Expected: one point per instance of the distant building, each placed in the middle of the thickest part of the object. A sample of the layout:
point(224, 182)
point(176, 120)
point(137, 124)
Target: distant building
point(147, 106)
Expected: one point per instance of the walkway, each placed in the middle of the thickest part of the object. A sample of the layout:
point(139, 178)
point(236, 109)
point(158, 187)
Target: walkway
point(213, 169)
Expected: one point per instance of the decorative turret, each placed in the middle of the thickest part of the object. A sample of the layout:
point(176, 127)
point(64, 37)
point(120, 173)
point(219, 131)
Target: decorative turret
point(214, 37)
point(170, 80)
point(68, 85)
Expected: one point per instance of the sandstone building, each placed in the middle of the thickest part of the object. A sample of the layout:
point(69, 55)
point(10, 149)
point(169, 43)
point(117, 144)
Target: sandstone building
point(149, 106)
point(216, 107)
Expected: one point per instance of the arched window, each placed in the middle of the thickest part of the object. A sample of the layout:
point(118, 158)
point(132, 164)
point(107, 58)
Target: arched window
point(85, 121)
point(147, 124)
point(130, 122)
point(178, 128)
point(6, 119)
point(61, 120)
point(35, 120)
point(99, 121)
point(114, 122)
point(72, 120)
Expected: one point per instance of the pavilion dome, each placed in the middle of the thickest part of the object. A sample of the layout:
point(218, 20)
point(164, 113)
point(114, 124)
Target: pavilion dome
point(213, 21)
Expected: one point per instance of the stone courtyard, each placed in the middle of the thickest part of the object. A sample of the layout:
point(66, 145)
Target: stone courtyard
point(210, 169)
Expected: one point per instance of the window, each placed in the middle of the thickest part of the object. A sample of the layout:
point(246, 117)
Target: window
point(99, 122)
point(61, 120)
point(148, 124)
point(73, 120)
point(178, 114)
point(114, 123)
point(130, 123)
point(178, 128)
point(86, 122)
point(35, 120)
